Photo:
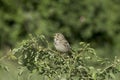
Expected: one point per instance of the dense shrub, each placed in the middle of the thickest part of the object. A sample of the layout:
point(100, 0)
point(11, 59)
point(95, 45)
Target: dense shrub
point(84, 64)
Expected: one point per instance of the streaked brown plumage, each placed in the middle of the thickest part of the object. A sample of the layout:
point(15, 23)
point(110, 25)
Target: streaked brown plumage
point(60, 43)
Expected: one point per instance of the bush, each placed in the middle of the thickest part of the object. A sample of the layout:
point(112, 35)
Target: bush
point(83, 64)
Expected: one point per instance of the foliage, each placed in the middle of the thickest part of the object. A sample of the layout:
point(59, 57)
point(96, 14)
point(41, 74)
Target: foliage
point(92, 21)
point(37, 56)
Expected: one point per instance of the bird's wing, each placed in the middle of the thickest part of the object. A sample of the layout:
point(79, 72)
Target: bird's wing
point(67, 44)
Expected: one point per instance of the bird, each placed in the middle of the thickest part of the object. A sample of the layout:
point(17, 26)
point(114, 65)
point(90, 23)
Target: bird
point(61, 44)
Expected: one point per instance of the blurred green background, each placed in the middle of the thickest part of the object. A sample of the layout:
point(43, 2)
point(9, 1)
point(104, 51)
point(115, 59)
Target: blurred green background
point(93, 21)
